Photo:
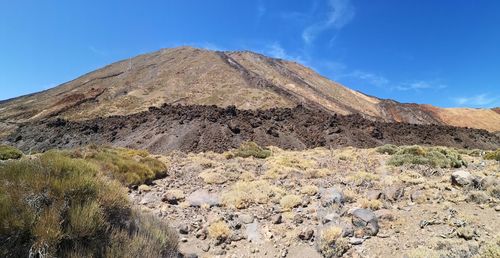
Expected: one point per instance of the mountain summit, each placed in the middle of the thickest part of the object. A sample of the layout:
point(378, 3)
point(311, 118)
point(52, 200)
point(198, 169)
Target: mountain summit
point(247, 80)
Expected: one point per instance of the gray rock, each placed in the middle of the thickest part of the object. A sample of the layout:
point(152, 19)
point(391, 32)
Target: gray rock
point(184, 229)
point(297, 219)
point(331, 196)
point(366, 220)
point(461, 178)
point(419, 196)
point(394, 193)
point(330, 217)
point(246, 218)
point(306, 234)
point(489, 181)
point(253, 232)
point(276, 219)
point(356, 240)
point(201, 197)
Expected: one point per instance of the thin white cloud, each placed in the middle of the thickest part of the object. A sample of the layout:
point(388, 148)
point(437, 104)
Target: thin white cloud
point(480, 100)
point(277, 51)
point(261, 10)
point(372, 78)
point(97, 51)
point(420, 85)
point(340, 14)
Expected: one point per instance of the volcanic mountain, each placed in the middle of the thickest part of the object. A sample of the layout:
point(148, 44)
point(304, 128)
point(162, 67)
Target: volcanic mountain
point(247, 80)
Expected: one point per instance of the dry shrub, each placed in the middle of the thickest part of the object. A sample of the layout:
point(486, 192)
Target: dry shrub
point(282, 164)
point(331, 243)
point(370, 204)
point(212, 177)
point(309, 190)
point(242, 194)
point(362, 178)
point(219, 230)
point(387, 149)
point(288, 202)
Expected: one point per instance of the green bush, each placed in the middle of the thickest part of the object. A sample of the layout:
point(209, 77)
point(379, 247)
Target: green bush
point(431, 156)
point(494, 155)
point(58, 206)
point(387, 149)
point(130, 167)
point(251, 149)
point(9, 152)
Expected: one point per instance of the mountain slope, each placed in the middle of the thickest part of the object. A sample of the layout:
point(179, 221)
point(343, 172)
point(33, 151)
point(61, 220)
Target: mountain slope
point(247, 80)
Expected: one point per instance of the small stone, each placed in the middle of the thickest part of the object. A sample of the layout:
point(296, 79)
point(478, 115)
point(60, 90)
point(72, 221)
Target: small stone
point(205, 247)
point(394, 193)
point(419, 196)
point(297, 219)
point(366, 220)
point(331, 196)
point(356, 240)
point(306, 234)
point(276, 219)
point(173, 197)
point(184, 240)
point(330, 217)
point(497, 208)
point(284, 253)
point(203, 197)
point(184, 229)
point(466, 233)
point(144, 188)
point(246, 218)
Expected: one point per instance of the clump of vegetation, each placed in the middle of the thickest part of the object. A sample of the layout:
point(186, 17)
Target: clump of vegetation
point(494, 155)
point(212, 177)
point(331, 243)
point(219, 231)
point(309, 190)
point(130, 167)
point(250, 149)
point(282, 165)
point(9, 152)
point(243, 193)
point(490, 249)
point(370, 204)
point(432, 156)
point(388, 149)
point(58, 206)
point(362, 178)
point(288, 202)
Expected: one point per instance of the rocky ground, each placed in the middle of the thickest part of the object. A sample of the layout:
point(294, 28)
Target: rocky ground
point(210, 128)
point(320, 202)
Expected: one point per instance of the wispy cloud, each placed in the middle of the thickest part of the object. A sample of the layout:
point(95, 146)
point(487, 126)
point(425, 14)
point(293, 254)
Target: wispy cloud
point(277, 51)
point(480, 100)
point(97, 51)
point(420, 85)
point(341, 12)
point(372, 78)
point(261, 10)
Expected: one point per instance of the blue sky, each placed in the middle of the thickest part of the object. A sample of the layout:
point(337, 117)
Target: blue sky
point(445, 53)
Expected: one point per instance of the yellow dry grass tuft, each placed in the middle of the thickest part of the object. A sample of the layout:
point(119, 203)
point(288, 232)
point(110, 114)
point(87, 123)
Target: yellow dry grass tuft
point(243, 194)
point(288, 202)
